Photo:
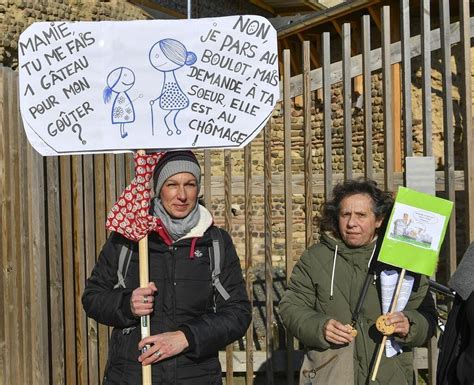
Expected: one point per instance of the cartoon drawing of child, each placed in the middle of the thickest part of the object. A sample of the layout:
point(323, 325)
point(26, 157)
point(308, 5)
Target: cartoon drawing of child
point(167, 56)
point(120, 80)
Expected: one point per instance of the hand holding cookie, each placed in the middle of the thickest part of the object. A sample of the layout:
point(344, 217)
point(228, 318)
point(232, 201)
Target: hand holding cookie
point(391, 323)
point(352, 329)
point(400, 322)
point(383, 326)
point(337, 333)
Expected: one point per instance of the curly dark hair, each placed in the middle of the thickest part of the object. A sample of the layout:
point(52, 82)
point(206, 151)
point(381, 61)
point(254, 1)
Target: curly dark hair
point(382, 202)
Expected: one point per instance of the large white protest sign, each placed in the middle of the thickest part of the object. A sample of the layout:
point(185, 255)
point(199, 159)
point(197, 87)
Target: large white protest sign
point(89, 87)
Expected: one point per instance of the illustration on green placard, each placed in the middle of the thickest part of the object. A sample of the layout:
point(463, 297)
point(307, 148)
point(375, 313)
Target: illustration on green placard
point(415, 231)
point(416, 226)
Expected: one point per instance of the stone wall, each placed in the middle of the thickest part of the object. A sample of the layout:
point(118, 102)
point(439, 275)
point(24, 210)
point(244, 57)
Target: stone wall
point(17, 15)
point(297, 154)
point(297, 120)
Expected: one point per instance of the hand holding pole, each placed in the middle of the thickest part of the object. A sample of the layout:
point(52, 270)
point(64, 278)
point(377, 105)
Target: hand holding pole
point(384, 339)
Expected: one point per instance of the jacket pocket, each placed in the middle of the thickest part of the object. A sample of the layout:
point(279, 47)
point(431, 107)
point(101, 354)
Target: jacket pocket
point(331, 366)
point(194, 276)
point(207, 372)
point(114, 368)
point(123, 349)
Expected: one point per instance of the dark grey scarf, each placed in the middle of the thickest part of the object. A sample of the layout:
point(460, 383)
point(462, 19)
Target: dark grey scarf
point(176, 228)
point(462, 280)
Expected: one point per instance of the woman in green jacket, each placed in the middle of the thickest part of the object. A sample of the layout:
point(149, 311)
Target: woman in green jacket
point(326, 288)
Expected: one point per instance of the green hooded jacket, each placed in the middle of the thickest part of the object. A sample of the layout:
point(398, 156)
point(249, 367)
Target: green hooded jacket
point(308, 304)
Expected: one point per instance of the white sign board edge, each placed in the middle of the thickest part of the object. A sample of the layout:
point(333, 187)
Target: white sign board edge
point(118, 86)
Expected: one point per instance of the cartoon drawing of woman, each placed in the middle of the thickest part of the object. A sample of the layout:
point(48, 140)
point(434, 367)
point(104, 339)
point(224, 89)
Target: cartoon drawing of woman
point(120, 80)
point(168, 55)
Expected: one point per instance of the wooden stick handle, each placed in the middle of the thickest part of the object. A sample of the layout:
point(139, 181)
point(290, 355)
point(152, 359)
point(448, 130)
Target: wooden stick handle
point(384, 339)
point(144, 280)
point(397, 291)
point(144, 320)
point(379, 358)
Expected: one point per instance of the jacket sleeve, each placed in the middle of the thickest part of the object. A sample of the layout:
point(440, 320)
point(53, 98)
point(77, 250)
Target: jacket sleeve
point(213, 331)
point(297, 307)
point(100, 300)
point(449, 343)
point(422, 315)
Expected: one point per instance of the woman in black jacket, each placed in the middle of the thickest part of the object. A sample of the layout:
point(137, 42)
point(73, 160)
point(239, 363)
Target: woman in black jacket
point(189, 320)
point(456, 354)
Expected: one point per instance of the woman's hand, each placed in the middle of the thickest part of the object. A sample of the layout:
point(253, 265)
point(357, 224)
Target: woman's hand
point(141, 302)
point(401, 323)
point(162, 346)
point(337, 333)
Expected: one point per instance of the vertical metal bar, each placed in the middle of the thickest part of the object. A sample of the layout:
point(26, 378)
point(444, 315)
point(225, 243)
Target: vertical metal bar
point(7, 261)
point(228, 190)
point(369, 164)
point(68, 272)
point(406, 78)
point(450, 244)
point(119, 173)
point(12, 272)
point(346, 92)
point(288, 198)
point(190, 2)
point(207, 178)
point(396, 92)
point(129, 168)
point(90, 259)
point(248, 258)
point(25, 301)
point(466, 113)
point(56, 282)
point(37, 274)
point(426, 82)
point(17, 233)
point(387, 98)
point(5, 376)
point(326, 69)
point(448, 130)
point(229, 375)
point(308, 136)
point(268, 252)
point(79, 265)
point(100, 210)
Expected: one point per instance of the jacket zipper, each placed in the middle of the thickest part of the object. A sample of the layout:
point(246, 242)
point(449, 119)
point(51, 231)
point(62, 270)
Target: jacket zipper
point(172, 250)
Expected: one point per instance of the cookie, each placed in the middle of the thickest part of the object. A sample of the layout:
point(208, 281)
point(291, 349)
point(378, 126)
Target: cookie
point(353, 330)
point(382, 327)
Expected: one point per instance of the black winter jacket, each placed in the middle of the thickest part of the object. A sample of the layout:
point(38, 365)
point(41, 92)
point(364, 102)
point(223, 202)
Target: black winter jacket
point(184, 301)
point(456, 355)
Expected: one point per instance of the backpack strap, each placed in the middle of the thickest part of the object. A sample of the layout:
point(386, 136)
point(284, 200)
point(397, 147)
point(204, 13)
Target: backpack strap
point(217, 258)
point(124, 261)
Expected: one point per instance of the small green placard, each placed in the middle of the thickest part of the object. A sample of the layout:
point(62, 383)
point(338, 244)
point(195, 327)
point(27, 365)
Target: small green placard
point(415, 231)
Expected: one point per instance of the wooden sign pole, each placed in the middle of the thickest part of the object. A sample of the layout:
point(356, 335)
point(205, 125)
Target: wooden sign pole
point(144, 320)
point(384, 339)
point(144, 280)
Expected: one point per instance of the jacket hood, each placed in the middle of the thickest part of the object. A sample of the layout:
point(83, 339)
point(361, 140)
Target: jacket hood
point(462, 281)
point(354, 255)
point(205, 221)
